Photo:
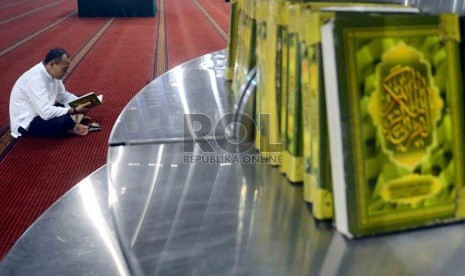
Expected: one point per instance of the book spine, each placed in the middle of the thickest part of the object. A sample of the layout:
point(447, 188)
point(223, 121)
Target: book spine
point(294, 105)
point(261, 132)
point(323, 199)
point(306, 57)
point(272, 148)
point(283, 59)
point(246, 44)
point(334, 127)
point(232, 40)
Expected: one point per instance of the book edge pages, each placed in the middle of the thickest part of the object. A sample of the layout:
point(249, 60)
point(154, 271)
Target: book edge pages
point(85, 95)
point(334, 128)
point(370, 9)
point(99, 97)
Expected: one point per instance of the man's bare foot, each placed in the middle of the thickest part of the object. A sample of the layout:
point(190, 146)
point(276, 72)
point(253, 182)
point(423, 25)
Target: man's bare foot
point(79, 130)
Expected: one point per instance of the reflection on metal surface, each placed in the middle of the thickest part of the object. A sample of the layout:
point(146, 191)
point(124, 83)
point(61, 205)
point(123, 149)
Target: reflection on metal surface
point(242, 102)
point(75, 236)
point(148, 198)
point(171, 237)
point(93, 209)
point(431, 6)
point(146, 117)
point(240, 226)
point(211, 218)
point(238, 219)
point(439, 6)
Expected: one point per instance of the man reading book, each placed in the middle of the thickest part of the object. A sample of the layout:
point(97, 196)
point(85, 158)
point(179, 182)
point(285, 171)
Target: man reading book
point(38, 101)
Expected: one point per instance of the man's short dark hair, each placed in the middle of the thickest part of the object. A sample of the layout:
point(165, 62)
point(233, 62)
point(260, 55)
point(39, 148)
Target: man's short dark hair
point(56, 54)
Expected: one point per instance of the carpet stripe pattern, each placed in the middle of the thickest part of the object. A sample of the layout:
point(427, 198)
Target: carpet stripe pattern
point(212, 21)
point(113, 56)
point(7, 141)
point(215, 10)
point(86, 49)
point(15, 10)
point(13, 31)
point(13, 3)
point(31, 36)
point(30, 12)
point(185, 23)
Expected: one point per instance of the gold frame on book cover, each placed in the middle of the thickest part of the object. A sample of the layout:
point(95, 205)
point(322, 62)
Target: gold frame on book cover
point(405, 214)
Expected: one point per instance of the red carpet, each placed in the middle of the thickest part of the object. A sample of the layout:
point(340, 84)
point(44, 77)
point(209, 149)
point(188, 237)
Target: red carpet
point(15, 28)
point(9, 3)
point(216, 9)
point(114, 57)
point(186, 23)
point(21, 8)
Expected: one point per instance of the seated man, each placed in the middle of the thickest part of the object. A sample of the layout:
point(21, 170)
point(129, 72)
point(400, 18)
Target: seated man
point(38, 100)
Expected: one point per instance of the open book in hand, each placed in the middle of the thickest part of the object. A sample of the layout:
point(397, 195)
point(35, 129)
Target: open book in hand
point(89, 97)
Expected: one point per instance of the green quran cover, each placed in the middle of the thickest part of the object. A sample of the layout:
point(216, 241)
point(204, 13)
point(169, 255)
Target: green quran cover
point(91, 98)
point(395, 117)
point(317, 177)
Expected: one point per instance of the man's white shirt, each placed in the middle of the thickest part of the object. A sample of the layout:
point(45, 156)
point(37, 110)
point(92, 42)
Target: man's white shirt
point(34, 94)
